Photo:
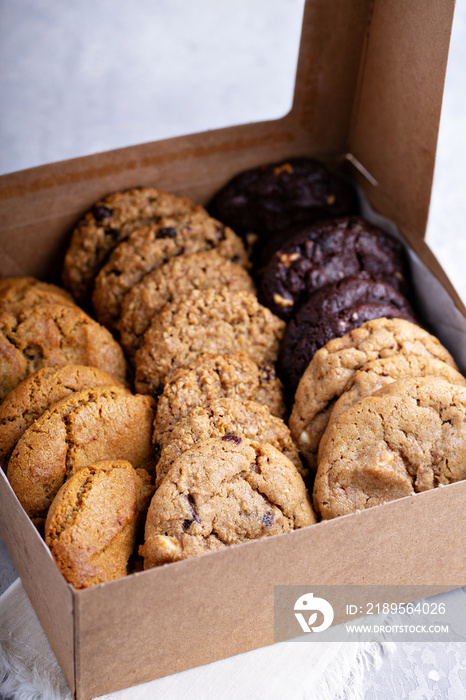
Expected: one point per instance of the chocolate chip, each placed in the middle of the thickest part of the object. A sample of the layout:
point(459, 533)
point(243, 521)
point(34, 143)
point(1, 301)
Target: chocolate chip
point(168, 232)
point(232, 438)
point(190, 500)
point(267, 520)
point(101, 212)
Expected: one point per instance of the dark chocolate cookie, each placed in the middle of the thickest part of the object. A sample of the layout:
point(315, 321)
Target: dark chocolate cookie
point(327, 252)
point(259, 202)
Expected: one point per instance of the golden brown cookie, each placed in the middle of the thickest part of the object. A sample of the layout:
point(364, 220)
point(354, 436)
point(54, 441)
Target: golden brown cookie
point(36, 394)
point(30, 291)
point(246, 419)
point(379, 373)
point(220, 492)
point(214, 321)
point(211, 377)
point(49, 335)
point(165, 284)
point(408, 437)
point(148, 248)
point(88, 426)
point(92, 523)
point(110, 221)
point(333, 366)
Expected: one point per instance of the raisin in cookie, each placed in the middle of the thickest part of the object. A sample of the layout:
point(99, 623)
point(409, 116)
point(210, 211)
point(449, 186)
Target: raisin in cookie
point(333, 366)
point(246, 419)
point(48, 335)
point(88, 426)
point(92, 524)
point(220, 492)
point(211, 377)
point(148, 248)
point(178, 276)
point(206, 321)
point(107, 224)
point(36, 394)
point(406, 438)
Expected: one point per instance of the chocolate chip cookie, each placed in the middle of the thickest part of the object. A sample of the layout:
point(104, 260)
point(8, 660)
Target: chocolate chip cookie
point(334, 365)
point(217, 321)
point(179, 276)
point(107, 224)
point(48, 335)
point(408, 437)
point(37, 393)
point(246, 419)
point(326, 252)
point(210, 377)
point(149, 247)
point(220, 492)
point(92, 524)
point(88, 426)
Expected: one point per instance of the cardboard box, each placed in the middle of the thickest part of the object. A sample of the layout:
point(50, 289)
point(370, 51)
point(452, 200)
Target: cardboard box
point(369, 83)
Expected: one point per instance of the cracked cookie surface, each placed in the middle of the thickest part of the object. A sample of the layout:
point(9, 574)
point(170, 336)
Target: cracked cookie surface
point(37, 393)
point(214, 321)
point(333, 366)
point(408, 437)
point(164, 285)
point(48, 335)
point(88, 426)
point(108, 223)
point(148, 248)
point(30, 291)
point(92, 524)
point(246, 419)
point(220, 492)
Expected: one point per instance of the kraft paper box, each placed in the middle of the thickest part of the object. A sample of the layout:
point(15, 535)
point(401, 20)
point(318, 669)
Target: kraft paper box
point(369, 86)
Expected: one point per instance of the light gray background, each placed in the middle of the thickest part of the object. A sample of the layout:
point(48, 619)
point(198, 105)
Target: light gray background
point(91, 75)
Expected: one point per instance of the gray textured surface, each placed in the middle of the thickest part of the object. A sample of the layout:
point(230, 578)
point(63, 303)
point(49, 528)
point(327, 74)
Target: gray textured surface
point(83, 77)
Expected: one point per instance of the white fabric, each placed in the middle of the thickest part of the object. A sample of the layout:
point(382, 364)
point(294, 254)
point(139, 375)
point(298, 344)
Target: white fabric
point(318, 670)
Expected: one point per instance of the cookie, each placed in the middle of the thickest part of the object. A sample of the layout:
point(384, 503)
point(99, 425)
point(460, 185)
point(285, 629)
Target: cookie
point(30, 291)
point(245, 419)
point(148, 248)
point(214, 321)
point(92, 524)
point(210, 377)
point(261, 201)
point(164, 285)
point(327, 252)
point(88, 426)
point(220, 492)
point(406, 438)
point(107, 224)
point(37, 393)
point(333, 310)
point(380, 373)
point(333, 366)
point(49, 335)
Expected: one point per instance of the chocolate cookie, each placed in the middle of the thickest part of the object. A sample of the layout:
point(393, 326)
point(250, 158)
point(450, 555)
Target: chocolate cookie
point(380, 373)
point(92, 524)
point(37, 393)
point(217, 321)
point(327, 252)
point(88, 426)
point(408, 437)
point(333, 310)
point(149, 247)
point(210, 377)
point(165, 284)
point(259, 202)
point(334, 365)
point(246, 419)
point(49, 335)
point(109, 222)
point(220, 492)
